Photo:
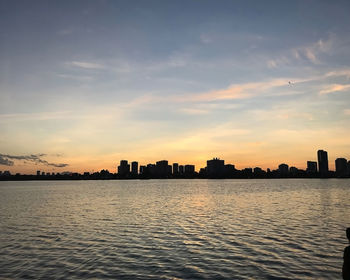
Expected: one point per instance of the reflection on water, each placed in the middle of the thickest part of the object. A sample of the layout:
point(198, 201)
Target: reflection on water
point(174, 229)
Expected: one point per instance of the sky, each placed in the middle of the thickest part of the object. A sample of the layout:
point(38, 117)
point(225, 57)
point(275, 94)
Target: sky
point(85, 84)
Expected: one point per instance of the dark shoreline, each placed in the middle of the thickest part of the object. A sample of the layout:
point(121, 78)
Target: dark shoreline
point(115, 177)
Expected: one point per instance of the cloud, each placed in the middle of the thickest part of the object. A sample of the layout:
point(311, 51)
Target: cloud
point(240, 91)
point(37, 159)
point(339, 73)
point(312, 51)
point(42, 116)
point(86, 65)
point(194, 111)
point(334, 88)
point(75, 77)
point(347, 112)
point(5, 161)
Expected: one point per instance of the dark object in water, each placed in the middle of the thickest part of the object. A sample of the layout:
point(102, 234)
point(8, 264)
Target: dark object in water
point(346, 264)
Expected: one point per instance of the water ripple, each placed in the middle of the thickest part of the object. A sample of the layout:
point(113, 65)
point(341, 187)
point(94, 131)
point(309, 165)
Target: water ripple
point(176, 229)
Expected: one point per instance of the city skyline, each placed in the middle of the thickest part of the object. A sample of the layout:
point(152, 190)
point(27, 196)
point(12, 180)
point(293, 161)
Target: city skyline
point(258, 83)
point(126, 168)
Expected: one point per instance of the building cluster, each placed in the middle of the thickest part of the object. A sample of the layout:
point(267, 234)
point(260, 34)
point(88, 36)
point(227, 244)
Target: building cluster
point(161, 169)
point(318, 168)
point(342, 166)
point(216, 168)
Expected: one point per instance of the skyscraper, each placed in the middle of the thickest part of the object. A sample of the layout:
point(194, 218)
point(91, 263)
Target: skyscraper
point(181, 169)
point(322, 157)
point(124, 168)
point(341, 167)
point(134, 167)
point(162, 168)
point(175, 168)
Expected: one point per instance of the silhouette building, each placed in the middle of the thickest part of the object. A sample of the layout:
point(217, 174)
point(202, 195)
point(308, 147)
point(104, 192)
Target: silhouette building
point(123, 168)
point(189, 169)
point(215, 167)
point(341, 167)
point(258, 171)
point(134, 167)
point(169, 170)
point(229, 170)
point(181, 169)
point(162, 168)
point(142, 169)
point(311, 167)
point(175, 168)
point(283, 169)
point(322, 157)
point(293, 170)
point(247, 172)
point(151, 169)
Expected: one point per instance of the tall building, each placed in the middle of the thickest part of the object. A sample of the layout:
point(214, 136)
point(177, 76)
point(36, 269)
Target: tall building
point(162, 168)
point(38, 173)
point(322, 157)
point(134, 167)
point(341, 167)
point(151, 169)
point(175, 168)
point(123, 168)
point(311, 167)
point(189, 169)
point(142, 169)
point(283, 169)
point(181, 169)
point(169, 170)
point(215, 167)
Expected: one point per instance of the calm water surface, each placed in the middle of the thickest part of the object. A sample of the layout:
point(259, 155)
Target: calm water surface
point(174, 229)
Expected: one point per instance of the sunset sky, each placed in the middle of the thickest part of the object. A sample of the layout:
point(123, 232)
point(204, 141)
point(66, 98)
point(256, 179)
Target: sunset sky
point(84, 84)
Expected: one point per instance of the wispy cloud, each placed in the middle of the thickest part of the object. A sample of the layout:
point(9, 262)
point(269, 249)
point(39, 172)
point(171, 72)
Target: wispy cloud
point(76, 77)
point(37, 159)
point(42, 116)
point(194, 111)
point(306, 53)
point(240, 91)
point(86, 65)
point(312, 51)
point(334, 88)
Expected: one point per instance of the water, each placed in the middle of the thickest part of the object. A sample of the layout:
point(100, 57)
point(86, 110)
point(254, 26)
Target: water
point(174, 229)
